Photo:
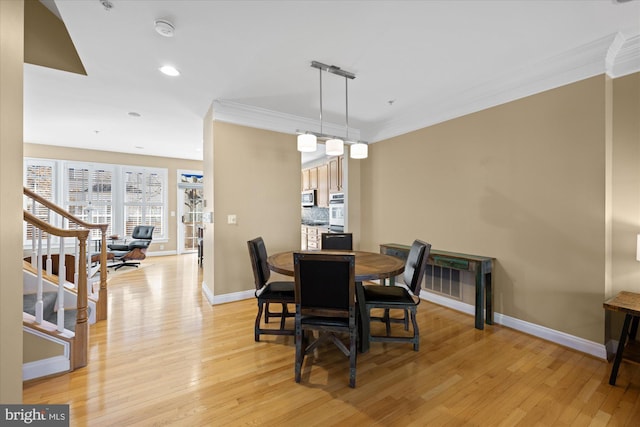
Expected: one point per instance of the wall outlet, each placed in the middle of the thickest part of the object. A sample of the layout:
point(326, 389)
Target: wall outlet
point(161, 247)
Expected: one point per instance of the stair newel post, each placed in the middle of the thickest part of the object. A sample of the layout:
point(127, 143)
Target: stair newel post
point(49, 262)
point(101, 309)
point(39, 303)
point(81, 344)
point(62, 272)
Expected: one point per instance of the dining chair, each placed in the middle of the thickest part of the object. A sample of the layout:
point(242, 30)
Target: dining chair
point(280, 292)
point(325, 302)
point(337, 241)
point(402, 296)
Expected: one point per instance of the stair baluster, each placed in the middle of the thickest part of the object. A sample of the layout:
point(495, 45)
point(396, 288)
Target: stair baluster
point(62, 273)
point(39, 304)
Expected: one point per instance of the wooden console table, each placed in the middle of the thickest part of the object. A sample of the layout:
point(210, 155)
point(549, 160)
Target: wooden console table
point(629, 304)
point(480, 265)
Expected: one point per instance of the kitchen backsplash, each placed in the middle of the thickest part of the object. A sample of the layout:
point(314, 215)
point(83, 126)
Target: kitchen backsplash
point(315, 214)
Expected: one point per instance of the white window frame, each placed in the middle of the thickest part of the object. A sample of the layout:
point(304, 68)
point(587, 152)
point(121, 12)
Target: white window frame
point(162, 173)
point(89, 203)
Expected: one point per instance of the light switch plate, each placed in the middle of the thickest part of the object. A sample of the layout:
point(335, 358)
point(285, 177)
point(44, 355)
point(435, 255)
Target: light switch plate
point(232, 219)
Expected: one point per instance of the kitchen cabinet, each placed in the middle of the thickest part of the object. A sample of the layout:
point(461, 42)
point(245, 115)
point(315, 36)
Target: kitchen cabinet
point(335, 174)
point(323, 186)
point(313, 179)
point(305, 180)
point(311, 237)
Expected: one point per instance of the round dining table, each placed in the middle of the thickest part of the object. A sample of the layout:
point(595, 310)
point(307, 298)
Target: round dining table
point(369, 266)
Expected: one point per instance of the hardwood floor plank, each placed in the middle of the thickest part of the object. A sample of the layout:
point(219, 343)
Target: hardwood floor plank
point(167, 357)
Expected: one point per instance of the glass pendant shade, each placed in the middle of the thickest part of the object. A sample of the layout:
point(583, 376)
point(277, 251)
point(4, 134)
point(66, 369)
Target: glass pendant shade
point(307, 143)
point(334, 147)
point(359, 150)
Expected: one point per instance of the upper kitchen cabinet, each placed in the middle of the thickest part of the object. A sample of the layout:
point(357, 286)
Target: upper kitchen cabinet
point(335, 174)
point(323, 186)
point(305, 180)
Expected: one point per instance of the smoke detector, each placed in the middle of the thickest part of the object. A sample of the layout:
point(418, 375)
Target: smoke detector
point(164, 28)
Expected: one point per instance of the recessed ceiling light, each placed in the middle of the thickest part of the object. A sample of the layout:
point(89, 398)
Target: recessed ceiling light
point(169, 70)
point(133, 114)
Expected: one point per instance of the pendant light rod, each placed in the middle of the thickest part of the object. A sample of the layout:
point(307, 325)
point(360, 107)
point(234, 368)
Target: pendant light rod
point(333, 69)
point(320, 71)
point(346, 106)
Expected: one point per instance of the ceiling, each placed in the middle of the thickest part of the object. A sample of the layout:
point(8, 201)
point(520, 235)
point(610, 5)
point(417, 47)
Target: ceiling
point(416, 63)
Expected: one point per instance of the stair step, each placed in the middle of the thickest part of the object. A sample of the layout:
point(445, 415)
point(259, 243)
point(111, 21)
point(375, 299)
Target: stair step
point(48, 299)
point(48, 313)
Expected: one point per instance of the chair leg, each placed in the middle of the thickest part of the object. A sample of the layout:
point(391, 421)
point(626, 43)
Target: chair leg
point(257, 325)
point(267, 314)
point(416, 331)
point(299, 352)
point(285, 313)
point(387, 321)
point(353, 354)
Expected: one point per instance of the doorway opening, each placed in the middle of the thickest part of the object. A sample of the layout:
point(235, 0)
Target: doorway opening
point(190, 210)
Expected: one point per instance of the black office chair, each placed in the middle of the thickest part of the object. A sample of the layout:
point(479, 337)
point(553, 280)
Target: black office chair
point(337, 241)
point(325, 302)
point(274, 292)
point(403, 297)
point(130, 254)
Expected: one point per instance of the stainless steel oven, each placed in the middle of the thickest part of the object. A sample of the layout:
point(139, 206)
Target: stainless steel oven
point(336, 212)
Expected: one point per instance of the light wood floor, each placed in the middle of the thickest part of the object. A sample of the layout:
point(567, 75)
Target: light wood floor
point(166, 357)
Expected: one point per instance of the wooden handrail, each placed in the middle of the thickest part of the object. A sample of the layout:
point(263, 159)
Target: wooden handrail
point(57, 209)
point(55, 231)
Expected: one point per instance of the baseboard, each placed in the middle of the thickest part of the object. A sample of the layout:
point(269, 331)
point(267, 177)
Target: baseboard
point(558, 337)
point(45, 367)
point(224, 298)
point(234, 296)
point(161, 253)
point(207, 292)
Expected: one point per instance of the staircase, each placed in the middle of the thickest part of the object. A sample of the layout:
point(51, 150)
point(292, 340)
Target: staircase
point(57, 309)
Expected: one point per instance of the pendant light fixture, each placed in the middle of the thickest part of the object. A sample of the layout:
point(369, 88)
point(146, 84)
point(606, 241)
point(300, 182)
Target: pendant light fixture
point(334, 146)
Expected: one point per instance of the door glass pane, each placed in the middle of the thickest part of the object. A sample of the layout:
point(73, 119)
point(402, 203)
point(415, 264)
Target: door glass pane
point(192, 217)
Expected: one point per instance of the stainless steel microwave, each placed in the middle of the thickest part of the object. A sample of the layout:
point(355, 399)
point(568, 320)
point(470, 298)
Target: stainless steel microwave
point(308, 198)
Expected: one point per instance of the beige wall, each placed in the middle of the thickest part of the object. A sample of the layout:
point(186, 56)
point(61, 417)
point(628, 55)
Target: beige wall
point(172, 164)
point(625, 191)
point(256, 177)
point(11, 106)
point(522, 182)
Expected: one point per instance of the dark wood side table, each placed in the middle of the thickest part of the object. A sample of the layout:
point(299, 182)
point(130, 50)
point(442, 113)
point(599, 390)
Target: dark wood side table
point(481, 266)
point(629, 304)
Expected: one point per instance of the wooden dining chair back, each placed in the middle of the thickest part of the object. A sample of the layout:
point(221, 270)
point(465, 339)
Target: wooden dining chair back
point(337, 241)
point(325, 302)
point(279, 292)
point(403, 297)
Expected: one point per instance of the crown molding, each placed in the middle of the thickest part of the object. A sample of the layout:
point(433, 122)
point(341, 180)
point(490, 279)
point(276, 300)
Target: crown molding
point(584, 61)
point(262, 118)
point(623, 56)
point(615, 54)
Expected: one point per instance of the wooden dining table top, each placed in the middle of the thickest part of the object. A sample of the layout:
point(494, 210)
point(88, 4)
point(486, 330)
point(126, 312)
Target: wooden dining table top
point(369, 265)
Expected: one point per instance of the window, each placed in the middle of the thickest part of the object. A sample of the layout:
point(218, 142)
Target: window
point(39, 177)
point(121, 196)
point(145, 195)
point(88, 194)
